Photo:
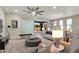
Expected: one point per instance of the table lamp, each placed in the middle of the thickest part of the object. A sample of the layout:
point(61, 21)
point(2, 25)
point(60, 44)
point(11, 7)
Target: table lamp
point(57, 35)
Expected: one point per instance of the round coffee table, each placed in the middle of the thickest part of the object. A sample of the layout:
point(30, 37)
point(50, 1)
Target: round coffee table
point(54, 49)
point(32, 42)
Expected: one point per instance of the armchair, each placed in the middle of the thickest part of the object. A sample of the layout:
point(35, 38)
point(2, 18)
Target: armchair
point(3, 42)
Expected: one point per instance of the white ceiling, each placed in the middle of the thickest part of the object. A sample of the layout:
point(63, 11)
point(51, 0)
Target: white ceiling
point(50, 13)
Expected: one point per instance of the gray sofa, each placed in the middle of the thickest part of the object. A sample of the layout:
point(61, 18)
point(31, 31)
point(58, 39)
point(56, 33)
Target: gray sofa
point(47, 35)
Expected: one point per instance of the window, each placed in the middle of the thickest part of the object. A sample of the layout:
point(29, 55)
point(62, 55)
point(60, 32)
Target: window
point(55, 23)
point(69, 21)
point(61, 27)
point(69, 24)
point(61, 24)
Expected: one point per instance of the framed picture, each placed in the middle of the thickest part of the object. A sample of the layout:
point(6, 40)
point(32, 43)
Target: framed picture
point(14, 24)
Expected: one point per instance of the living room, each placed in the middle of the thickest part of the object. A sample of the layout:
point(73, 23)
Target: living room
point(21, 23)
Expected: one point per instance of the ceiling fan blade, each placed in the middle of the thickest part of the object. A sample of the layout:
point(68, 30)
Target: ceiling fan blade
point(33, 9)
point(40, 11)
point(26, 11)
point(40, 14)
point(29, 12)
point(36, 8)
point(29, 8)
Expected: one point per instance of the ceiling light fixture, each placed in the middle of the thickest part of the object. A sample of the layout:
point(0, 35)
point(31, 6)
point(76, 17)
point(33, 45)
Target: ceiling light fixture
point(16, 10)
point(33, 13)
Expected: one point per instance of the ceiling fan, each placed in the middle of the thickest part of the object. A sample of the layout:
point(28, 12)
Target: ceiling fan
point(34, 11)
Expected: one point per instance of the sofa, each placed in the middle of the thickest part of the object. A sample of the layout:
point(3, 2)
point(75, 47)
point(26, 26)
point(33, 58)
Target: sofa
point(47, 35)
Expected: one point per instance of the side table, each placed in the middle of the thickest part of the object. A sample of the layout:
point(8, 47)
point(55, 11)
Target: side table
point(54, 49)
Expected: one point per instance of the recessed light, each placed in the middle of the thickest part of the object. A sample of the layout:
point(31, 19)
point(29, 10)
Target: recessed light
point(54, 7)
point(16, 10)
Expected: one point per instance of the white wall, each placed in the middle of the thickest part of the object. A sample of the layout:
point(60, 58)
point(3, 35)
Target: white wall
point(27, 26)
point(14, 32)
point(75, 26)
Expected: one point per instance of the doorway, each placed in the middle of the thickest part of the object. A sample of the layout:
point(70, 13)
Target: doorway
point(38, 26)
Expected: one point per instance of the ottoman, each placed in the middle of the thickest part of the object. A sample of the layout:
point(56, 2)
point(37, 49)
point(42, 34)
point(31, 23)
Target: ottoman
point(32, 42)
